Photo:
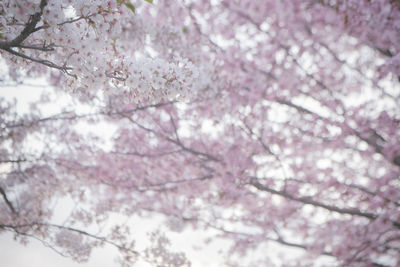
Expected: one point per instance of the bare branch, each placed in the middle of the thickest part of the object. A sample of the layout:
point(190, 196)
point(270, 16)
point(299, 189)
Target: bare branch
point(176, 142)
point(147, 155)
point(41, 47)
point(307, 200)
point(100, 238)
point(8, 202)
point(41, 61)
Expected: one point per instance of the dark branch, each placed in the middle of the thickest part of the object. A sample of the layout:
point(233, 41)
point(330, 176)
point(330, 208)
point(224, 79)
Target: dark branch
point(71, 229)
point(307, 200)
point(41, 47)
point(8, 202)
point(176, 142)
point(28, 30)
point(41, 61)
point(374, 139)
point(147, 155)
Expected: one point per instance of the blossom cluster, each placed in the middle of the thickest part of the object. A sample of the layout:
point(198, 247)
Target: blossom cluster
point(100, 46)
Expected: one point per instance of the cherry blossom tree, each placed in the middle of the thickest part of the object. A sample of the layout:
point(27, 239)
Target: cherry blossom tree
point(264, 122)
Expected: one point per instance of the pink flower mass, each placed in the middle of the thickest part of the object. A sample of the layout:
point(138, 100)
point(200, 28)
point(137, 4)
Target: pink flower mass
point(262, 122)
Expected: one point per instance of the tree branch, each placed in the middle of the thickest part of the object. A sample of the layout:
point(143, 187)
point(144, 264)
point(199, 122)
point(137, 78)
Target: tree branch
point(100, 238)
point(307, 200)
point(8, 202)
point(28, 30)
point(47, 63)
point(176, 142)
